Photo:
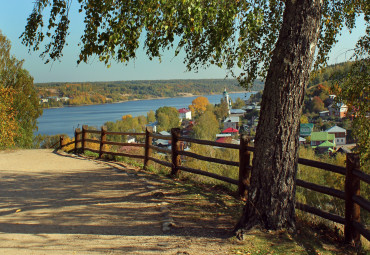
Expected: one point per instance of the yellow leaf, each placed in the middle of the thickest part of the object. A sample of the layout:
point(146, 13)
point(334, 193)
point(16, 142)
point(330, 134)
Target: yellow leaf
point(18, 210)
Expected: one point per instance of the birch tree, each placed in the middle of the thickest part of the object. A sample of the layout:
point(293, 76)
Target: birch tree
point(276, 40)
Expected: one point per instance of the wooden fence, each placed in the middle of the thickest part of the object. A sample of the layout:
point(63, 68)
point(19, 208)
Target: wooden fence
point(353, 228)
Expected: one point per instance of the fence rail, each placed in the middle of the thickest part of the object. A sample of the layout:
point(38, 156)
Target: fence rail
point(353, 228)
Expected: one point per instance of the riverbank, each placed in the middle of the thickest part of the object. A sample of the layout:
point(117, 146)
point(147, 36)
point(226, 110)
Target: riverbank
point(184, 95)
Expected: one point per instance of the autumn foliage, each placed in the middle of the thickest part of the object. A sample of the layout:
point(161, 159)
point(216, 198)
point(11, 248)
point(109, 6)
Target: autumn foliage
point(198, 106)
point(8, 123)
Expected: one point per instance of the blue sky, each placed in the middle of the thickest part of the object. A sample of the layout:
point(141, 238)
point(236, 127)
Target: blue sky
point(13, 15)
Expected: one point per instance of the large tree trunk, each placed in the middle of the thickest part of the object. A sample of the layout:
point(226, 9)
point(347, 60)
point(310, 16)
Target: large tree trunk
point(271, 199)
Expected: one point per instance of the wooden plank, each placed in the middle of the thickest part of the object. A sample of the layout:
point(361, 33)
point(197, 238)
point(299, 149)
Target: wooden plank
point(161, 162)
point(70, 143)
point(244, 167)
point(205, 142)
point(123, 154)
point(92, 141)
point(124, 133)
point(318, 212)
point(125, 144)
point(160, 149)
point(158, 136)
point(175, 148)
point(249, 148)
point(212, 175)
point(362, 176)
point(321, 165)
point(93, 131)
point(325, 190)
point(147, 149)
point(209, 159)
point(364, 203)
point(362, 230)
point(352, 209)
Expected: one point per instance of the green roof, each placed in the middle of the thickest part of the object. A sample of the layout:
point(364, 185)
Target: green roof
point(309, 125)
point(326, 144)
point(305, 129)
point(322, 136)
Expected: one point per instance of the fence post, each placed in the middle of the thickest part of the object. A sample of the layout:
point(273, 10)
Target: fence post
point(175, 145)
point(352, 210)
point(83, 142)
point(244, 167)
point(61, 141)
point(77, 137)
point(103, 138)
point(148, 150)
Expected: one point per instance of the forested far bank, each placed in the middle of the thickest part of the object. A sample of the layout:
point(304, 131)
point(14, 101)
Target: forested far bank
point(60, 94)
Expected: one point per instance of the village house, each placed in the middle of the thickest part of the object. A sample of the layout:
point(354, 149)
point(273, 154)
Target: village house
point(338, 110)
point(305, 129)
point(339, 133)
point(318, 138)
point(237, 113)
point(324, 114)
point(231, 122)
point(185, 113)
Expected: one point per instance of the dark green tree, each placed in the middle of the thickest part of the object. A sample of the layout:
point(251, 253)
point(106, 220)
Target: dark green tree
point(267, 38)
point(238, 104)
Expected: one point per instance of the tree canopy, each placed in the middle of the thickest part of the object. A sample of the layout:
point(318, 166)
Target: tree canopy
point(232, 34)
point(199, 105)
point(23, 98)
point(8, 124)
point(167, 117)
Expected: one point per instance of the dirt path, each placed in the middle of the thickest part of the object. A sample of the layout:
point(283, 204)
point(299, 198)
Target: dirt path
point(57, 204)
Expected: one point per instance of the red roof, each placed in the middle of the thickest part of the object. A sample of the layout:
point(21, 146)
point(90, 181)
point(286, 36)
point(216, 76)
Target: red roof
point(230, 130)
point(183, 110)
point(224, 140)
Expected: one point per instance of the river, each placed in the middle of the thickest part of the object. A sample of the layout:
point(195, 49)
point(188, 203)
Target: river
point(65, 120)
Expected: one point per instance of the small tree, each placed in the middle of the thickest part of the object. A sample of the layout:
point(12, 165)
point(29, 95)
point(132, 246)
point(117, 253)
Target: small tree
point(198, 106)
point(238, 104)
point(206, 126)
point(151, 116)
point(167, 117)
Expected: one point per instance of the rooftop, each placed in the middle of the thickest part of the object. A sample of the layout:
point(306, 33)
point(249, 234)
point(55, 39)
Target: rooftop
point(336, 129)
point(322, 136)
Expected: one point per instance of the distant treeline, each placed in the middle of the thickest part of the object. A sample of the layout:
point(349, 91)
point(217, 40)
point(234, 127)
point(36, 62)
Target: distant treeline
point(113, 91)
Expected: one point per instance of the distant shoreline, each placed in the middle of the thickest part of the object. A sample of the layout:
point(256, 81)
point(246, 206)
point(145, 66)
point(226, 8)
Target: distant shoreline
point(154, 98)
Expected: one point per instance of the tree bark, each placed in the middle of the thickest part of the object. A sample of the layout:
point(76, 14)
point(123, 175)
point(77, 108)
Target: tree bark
point(271, 199)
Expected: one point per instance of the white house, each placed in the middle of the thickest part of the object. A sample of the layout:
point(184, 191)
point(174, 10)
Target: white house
point(232, 122)
point(339, 133)
point(185, 113)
